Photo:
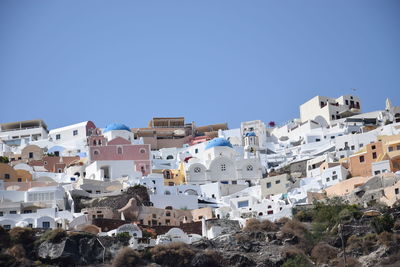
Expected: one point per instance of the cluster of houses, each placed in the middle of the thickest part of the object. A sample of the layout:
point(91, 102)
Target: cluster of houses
point(196, 176)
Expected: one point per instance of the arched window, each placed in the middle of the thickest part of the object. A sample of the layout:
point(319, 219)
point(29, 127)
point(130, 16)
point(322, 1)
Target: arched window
point(96, 152)
point(170, 157)
point(197, 169)
point(77, 174)
point(94, 142)
point(249, 168)
point(99, 142)
point(142, 150)
point(119, 150)
point(167, 192)
point(168, 207)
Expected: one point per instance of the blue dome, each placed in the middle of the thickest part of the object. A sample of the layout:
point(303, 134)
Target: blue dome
point(116, 126)
point(218, 142)
point(250, 134)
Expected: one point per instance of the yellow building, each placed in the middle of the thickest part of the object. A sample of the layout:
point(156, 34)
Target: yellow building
point(174, 176)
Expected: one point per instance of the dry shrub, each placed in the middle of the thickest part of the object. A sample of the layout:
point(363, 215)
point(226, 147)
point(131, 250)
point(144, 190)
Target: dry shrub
point(299, 230)
point(392, 260)
point(283, 220)
point(208, 258)
point(296, 228)
point(354, 243)
point(350, 262)
point(4, 238)
point(323, 252)
point(242, 238)
point(292, 251)
point(22, 235)
point(174, 254)
point(254, 225)
point(127, 257)
point(268, 226)
point(385, 238)
point(17, 251)
point(396, 225)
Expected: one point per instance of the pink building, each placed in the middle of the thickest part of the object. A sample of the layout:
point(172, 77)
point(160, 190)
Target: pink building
point(119, 149)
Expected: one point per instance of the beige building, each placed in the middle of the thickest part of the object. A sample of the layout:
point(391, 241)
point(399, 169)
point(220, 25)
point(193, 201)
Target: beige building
point(9, 174)
point(273, 185)
point(32, 152)
point(148, 215)
point(346, 186)
point(174, 132)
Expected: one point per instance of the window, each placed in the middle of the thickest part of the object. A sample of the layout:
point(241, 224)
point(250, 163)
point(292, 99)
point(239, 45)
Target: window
point(31, 155)
point(374, 155)
point(317, 140)
point(167, 222)
point(361, 145)
point(362, 159)
point(75, 132)
point(197, 169)
point(347, 102)
point(6, 176)
point(94, 142)
point(277, 181)
point(353, 147)
point(119, 150)
point(249, 168)
point(154, 216)
point(373, 147)
point(332, 137)
point(45, 162)
point(7, 227)
point(58, 136)
point(334, 172)
point(19, 179)
point(242, 204)
point(196, 150)
point(168, 213)
point(390, 149)
point(234, 182)
point(334, 177)
point(1, 213)
point(96, 152)
point(328, 179)
point(223, 167)
point(396, 191)
point(269, 185)
point(46, 225)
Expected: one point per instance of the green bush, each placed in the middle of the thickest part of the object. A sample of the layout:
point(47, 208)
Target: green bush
point(123, 237)
point(383, 223)
point(53, 236)
point(297, 261)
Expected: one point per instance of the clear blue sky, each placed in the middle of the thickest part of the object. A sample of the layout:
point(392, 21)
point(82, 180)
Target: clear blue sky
point(210, 61)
